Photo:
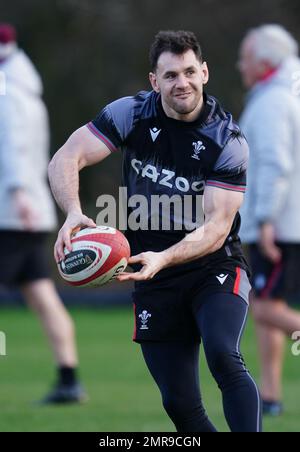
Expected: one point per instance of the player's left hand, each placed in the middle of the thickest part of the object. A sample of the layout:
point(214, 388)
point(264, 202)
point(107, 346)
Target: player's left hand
point(152, 263)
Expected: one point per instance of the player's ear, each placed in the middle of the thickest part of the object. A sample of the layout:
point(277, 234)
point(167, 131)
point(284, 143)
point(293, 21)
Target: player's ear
point(205, 72)
point(153, 81)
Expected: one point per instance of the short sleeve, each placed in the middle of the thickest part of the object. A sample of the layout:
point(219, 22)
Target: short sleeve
point(114, 122)
point(229, 171)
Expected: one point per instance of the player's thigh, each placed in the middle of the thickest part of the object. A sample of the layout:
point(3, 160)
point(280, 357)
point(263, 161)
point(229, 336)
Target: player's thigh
point(163, 314)
point(221, 318)
point(173, 365)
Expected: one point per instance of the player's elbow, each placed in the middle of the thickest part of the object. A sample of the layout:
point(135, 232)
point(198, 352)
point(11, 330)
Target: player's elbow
point(220, 240)
point(51, 167)
point(221, 233)
point(67, 156)
point(55, 163)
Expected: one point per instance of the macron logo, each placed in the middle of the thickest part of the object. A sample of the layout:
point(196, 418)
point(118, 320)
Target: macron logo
point(221, 278)
point(154, 133)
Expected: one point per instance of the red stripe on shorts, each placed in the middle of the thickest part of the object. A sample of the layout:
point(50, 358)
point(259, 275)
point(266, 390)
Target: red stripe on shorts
point(134, 330)
point(236, 287)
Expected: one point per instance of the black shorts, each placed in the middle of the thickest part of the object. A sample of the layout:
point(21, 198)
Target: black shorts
point(24, 257)
point(164, 310)
point(276, 281)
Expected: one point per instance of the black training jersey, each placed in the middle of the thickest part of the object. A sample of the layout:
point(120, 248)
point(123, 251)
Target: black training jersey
point(168, 163)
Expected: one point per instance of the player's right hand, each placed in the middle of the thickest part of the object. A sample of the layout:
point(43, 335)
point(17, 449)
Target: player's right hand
point(74, 222)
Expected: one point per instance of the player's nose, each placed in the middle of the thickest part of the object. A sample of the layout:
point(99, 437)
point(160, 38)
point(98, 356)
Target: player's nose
point(182, 81)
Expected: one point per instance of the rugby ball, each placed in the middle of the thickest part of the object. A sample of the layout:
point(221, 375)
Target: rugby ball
point(98, 255)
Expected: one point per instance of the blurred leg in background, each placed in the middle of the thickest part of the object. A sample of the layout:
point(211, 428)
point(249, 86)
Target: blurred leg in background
point(42, 297)
point(274, 320)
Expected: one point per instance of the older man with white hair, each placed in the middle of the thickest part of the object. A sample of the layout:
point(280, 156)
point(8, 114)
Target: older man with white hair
point(270, 68)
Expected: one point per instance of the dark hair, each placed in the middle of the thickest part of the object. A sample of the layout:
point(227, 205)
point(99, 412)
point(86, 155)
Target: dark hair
point(177, 42)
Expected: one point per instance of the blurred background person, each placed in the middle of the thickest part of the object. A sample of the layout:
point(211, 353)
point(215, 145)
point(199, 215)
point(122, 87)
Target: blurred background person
point(270, 69)
point(27, 211)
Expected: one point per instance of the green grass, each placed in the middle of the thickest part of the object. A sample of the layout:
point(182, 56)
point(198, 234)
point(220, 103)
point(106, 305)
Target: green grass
point(123, 397)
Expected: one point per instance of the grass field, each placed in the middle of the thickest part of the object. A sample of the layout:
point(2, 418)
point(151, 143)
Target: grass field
point(122, 394)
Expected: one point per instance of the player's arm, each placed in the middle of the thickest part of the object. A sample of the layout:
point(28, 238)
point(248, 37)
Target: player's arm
point(220, 208)
point(81, 149)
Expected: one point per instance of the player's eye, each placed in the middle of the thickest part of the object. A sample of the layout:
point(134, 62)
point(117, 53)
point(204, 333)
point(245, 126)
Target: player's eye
point(170, 76)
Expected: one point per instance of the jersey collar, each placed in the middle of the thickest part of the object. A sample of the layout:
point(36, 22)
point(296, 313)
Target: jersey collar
point(204, 116)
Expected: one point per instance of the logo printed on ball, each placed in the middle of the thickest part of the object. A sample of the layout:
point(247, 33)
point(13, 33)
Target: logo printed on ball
point(98, 256)
point(75, 262)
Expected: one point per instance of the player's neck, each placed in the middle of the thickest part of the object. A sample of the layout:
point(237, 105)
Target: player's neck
point(188, 117)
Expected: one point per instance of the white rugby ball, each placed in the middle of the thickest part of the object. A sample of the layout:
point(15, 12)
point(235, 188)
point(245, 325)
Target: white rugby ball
point(98, 255)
